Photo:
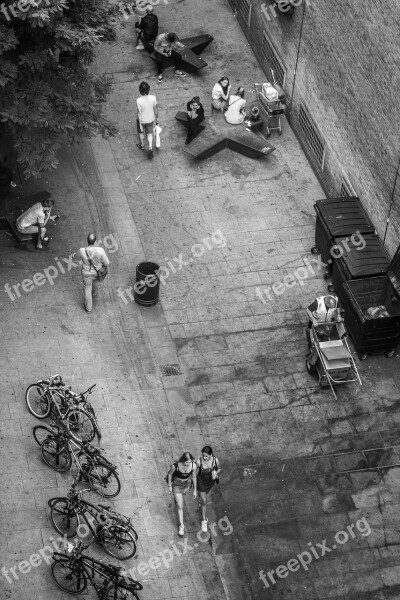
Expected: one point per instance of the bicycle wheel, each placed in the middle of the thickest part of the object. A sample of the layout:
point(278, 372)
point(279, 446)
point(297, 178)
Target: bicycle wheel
point(67, 578)
point(38, 401)
point(64, 518)
point(41, 433)
point(120, 593)
point(104, 481)
point(56, 455)
point(117, 542)
point(80, 424)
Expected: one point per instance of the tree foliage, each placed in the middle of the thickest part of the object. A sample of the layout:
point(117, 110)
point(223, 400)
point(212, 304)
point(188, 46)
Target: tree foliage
point(47, 93)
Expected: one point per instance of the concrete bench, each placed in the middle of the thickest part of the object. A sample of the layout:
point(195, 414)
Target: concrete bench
point(185, 53)
point(183, 119)
point(10, 227)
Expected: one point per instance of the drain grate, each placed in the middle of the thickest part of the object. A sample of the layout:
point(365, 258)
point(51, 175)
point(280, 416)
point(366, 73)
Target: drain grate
point(169, 370)
point(346, 189)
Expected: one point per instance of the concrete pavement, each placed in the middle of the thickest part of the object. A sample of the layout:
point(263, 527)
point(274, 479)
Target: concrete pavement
point(298, 466)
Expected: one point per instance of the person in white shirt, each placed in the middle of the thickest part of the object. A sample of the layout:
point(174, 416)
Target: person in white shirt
point(236, 113)
point(93, 259)
point(220, 94)
point(34, 220)
point(147, 114)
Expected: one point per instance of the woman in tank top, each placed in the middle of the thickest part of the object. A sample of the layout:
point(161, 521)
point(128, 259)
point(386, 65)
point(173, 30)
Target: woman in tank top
point(180, 478)
point(208, 470)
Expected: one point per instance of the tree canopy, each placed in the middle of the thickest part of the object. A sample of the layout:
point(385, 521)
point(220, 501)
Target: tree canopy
point(47, 93)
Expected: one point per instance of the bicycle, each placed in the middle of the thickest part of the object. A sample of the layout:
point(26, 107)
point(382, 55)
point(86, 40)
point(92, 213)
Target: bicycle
point(72, 570)
point(47, 396)
point(114, 532)
point(59, 449)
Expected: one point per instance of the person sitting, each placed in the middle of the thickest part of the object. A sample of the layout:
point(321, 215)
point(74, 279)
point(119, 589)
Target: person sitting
point(35, 218)
point(236, 113)
point(220, 94)
point(324, 309)
point(163, 50)
point(195, 112)
point(147, 29)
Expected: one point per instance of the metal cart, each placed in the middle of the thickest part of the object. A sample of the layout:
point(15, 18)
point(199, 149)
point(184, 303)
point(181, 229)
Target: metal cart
point(330, 357)
point(372, 313)
point(275, 108)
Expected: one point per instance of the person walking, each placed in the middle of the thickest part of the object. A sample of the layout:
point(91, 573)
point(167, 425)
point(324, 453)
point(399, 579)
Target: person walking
point(147, 29)
point(93, 259)
point(180, 478)
point(208, 470)
point(35, 218)
point(147, 115)
point(163, 50)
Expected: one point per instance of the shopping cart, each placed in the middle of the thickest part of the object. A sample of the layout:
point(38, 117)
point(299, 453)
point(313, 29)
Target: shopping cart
point(272, 98)
point(329, 356)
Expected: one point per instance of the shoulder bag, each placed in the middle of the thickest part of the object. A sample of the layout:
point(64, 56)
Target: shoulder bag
point(102, 272)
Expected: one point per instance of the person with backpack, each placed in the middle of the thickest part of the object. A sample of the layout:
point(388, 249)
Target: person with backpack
point(147, 30)
point(208, 470)
point(93, 259)
point(180, 478)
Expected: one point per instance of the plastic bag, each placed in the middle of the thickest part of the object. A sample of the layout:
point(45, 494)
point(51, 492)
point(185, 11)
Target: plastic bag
point(157, 131)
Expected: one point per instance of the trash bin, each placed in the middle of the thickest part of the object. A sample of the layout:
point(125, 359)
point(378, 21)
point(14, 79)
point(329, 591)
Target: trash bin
point(338, 217)
point(356, 262)
point(374, 330)
point(147, 286)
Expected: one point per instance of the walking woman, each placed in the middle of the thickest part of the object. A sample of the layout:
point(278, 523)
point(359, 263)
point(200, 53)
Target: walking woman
point(180, 478)
point(207, 476)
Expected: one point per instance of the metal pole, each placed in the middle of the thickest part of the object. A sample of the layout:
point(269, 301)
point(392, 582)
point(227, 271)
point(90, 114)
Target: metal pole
point(298, 49)
point(392, 199)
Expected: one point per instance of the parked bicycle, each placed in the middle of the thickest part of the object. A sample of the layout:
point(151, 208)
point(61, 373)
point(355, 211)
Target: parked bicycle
point(49, 398)
point(73, 570)
point(59, 450)
point(114, 532)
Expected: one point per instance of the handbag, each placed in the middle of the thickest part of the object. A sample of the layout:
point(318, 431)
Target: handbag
point(173, 474)
point(102, 272)
point(157, 131)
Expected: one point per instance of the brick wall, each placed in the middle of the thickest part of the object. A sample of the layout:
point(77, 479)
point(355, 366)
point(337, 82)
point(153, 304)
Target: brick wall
point(347, 61)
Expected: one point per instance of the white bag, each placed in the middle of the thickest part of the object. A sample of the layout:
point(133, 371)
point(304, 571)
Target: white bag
point(157, 131)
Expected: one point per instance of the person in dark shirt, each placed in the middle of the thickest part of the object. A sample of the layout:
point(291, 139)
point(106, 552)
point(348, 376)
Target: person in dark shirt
point(147, 29)
point(195, 113)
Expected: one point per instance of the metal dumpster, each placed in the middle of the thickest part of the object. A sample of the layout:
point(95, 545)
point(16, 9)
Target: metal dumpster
point(358, 261)
point(338, 217)
point(371, 329)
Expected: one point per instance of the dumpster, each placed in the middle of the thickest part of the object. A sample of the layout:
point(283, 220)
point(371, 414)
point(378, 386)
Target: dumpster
point(372, 314)
point(355, 261)
point(147, 286)
point(338, 217)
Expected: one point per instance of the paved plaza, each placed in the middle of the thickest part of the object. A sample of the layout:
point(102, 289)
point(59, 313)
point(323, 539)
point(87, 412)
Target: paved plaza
point(305, 477)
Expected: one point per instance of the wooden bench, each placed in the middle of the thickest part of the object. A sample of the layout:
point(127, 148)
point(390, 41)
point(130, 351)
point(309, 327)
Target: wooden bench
point(10, 227)
point(185, 53)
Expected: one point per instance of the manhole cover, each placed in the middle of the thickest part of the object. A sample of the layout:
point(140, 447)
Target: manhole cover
point(168, 370)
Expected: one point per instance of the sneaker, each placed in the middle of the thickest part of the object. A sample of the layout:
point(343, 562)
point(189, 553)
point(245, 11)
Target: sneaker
point(160, 78)
point(181, 530)
point(140, 47)
point(204, 526)
point(180, 73)
point(150, 154)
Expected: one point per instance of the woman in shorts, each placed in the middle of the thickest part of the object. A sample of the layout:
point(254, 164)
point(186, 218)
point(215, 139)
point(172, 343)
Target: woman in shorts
point(180, 478)
point(208, 470)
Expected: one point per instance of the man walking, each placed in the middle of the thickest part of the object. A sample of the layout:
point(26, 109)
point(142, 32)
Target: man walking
point(35, 218)
point(147, 117)
point(93, 259)
point(147, 29)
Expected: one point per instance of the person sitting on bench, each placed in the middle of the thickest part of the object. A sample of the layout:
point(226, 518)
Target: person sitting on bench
point(34, 220)
point(195, 112)
point(236, 113)
point(147, 29)
point(220, 94)
point(163, 50)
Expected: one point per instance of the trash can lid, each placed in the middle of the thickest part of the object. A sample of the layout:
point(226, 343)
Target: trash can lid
point(372, 259)
point(344, 216)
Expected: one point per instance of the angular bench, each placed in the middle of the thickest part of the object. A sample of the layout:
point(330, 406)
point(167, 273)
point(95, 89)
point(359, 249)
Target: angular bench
point(20, 238)
point(234, 137)
point(183, 119)
point(185, 53)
